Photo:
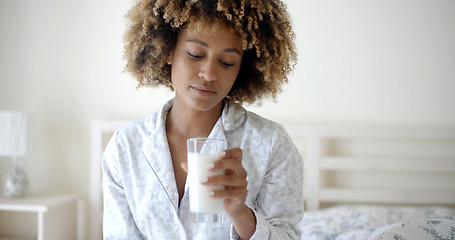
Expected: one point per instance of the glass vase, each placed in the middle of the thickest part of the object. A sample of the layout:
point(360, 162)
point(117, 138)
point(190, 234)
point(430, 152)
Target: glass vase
point(15, 182)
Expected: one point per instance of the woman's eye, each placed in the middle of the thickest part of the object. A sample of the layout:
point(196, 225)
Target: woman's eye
point(192, 55)
point(227, 64)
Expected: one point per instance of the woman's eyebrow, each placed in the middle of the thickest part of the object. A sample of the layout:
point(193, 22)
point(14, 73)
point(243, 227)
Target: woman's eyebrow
point(235, 50)
point(198, 42)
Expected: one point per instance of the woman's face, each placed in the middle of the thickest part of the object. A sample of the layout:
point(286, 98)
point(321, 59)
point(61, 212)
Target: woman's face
point(204, 65)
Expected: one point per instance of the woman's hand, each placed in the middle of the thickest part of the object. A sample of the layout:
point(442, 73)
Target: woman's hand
point(235, 191)
point(234, 180)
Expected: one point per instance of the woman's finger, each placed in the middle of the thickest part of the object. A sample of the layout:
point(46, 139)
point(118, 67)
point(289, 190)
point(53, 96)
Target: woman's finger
point(227, 180)
point(238, 195)
point(235, 153)
point(231, 162)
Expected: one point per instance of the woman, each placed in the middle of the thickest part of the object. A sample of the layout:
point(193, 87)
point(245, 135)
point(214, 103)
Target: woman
point(215, 56)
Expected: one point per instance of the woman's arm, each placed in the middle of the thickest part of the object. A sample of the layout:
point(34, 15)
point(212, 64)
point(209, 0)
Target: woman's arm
point(118, 222)
point(279, 203)
point(235, 192)
point(244, 223)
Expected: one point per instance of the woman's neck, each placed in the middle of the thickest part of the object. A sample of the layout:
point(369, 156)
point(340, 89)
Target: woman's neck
point(189, 123)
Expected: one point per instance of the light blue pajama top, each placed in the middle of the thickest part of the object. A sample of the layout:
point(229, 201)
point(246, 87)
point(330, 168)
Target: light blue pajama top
point(140, 192)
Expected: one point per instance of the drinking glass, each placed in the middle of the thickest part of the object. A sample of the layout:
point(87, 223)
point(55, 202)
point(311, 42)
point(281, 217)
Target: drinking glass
point(201, 153)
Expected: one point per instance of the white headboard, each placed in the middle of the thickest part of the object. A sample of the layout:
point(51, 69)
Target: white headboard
point(343, 164)
point(399, 153)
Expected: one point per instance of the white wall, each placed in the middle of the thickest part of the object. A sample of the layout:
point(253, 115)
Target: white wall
point(390, 62)
point(369, 62)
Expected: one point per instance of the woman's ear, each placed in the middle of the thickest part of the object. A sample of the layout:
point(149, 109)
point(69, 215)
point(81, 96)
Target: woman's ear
point(170, 57)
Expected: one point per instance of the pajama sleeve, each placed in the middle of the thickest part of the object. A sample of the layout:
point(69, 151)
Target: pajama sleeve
point(118, 222)
point(279, 204)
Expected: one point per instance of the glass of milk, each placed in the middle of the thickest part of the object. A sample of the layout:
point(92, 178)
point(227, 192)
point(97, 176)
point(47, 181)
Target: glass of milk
point(202, 152)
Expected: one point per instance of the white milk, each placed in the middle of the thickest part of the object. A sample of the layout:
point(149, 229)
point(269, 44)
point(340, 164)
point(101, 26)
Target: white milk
point(200, 200)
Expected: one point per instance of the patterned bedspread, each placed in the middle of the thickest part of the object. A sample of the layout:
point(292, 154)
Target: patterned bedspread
point(361, 222)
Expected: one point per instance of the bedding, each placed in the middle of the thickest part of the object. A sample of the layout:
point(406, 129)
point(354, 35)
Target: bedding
point(364, 222)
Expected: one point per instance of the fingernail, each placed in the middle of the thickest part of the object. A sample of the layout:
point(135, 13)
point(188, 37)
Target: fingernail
point(204, 180)
point(210, 165)
point(211, 193)
point(222, 153)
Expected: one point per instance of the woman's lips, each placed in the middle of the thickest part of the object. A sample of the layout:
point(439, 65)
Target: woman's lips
point(203, 92)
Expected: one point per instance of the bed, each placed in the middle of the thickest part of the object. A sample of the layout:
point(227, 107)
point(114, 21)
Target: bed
point(361, 182)
point(376, 182)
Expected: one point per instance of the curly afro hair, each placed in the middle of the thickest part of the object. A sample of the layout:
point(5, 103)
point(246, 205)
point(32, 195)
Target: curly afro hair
point(263, 25)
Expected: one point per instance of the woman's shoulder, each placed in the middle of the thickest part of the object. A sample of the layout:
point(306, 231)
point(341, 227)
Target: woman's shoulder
point(138, 127)
point(148, 124)
point(256, 119)
point(266, 128)
point(262, 125)
point(237, 118)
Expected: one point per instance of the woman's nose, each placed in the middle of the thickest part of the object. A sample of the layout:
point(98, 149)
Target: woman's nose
point(208, 71)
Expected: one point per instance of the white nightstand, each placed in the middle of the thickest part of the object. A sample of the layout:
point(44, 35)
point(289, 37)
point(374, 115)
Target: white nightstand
point(56, 215)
